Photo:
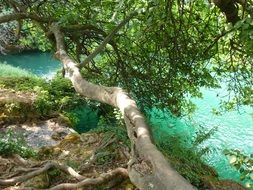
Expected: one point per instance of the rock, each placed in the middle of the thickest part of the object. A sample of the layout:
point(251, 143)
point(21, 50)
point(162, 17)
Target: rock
point(41, 133)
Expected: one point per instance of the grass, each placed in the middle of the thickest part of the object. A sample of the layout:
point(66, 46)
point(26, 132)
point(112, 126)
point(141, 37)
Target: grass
point(10, 71)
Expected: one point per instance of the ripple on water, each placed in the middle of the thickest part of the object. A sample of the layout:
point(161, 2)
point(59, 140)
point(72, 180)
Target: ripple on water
point(235, 131)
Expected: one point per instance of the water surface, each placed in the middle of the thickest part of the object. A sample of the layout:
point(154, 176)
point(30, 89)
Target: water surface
point(40, 63)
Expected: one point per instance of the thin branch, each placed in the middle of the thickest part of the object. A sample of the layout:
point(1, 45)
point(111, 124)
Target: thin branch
point(217, 38)
point(106, 40)
point(19, 16)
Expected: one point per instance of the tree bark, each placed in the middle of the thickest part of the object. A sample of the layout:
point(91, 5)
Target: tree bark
point(148, 169)
point(228, 7)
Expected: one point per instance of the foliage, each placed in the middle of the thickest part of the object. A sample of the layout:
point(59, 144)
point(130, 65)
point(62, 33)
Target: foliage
point(187, 159)
point(112, 123)
point(14, 143)
point(104, 157)
point(56, 95)
point(243, 163)
point(118, 132)
point(34, 37)
point(163, 56)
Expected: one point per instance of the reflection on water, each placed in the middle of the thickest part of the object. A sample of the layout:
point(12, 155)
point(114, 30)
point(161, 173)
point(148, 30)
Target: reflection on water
point(39, 63)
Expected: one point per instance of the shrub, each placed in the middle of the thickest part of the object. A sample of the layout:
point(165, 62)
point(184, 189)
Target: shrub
point(243, 163)
point(14, 143)
point(187, 159)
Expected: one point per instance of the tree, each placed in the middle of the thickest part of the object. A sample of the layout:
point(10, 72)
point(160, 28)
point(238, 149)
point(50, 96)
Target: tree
point(168, 50)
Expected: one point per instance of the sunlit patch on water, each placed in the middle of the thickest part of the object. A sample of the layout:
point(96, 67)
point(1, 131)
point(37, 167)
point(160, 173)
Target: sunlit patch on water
point(38, 63)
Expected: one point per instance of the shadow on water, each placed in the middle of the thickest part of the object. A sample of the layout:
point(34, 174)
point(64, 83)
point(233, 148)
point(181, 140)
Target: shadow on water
point(85, 118)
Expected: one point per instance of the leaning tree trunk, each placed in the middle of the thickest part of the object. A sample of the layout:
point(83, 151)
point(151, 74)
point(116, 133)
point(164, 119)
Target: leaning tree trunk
point(148, 169)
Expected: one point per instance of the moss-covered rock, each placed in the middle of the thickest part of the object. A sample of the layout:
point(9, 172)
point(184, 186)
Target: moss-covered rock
point(16, 107)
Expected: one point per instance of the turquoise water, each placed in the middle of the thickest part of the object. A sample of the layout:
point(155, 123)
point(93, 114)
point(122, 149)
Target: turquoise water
point(234, 129)
point(39, 63)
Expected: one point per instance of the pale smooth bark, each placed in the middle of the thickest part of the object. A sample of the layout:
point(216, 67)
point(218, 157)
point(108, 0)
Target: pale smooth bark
point(148, 168)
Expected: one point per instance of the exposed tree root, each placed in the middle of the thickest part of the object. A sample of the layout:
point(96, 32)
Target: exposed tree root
point(45, 168)
point(116, 175)
point(95, 153)
point(148, 168)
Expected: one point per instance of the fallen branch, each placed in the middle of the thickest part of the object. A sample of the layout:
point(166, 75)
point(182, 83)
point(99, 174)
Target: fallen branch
point(159, 174)
point(118, 174)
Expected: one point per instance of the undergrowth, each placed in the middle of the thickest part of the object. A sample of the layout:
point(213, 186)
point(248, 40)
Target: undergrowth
point(55, 96)
point(187, 159)
point(14, 143)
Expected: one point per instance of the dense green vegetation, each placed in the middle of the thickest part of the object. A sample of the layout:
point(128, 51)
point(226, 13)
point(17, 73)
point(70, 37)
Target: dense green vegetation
point(165, 53)
point(243, 163)
point(52, 97)
point(14, 143)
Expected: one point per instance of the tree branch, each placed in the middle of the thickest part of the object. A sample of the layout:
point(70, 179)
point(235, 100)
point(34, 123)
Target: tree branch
point(20, 16)
point(148, 169)
point(228, 7)
point(106, 40)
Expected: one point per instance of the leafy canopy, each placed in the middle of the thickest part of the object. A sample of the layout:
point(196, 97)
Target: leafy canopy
point(163, 55)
